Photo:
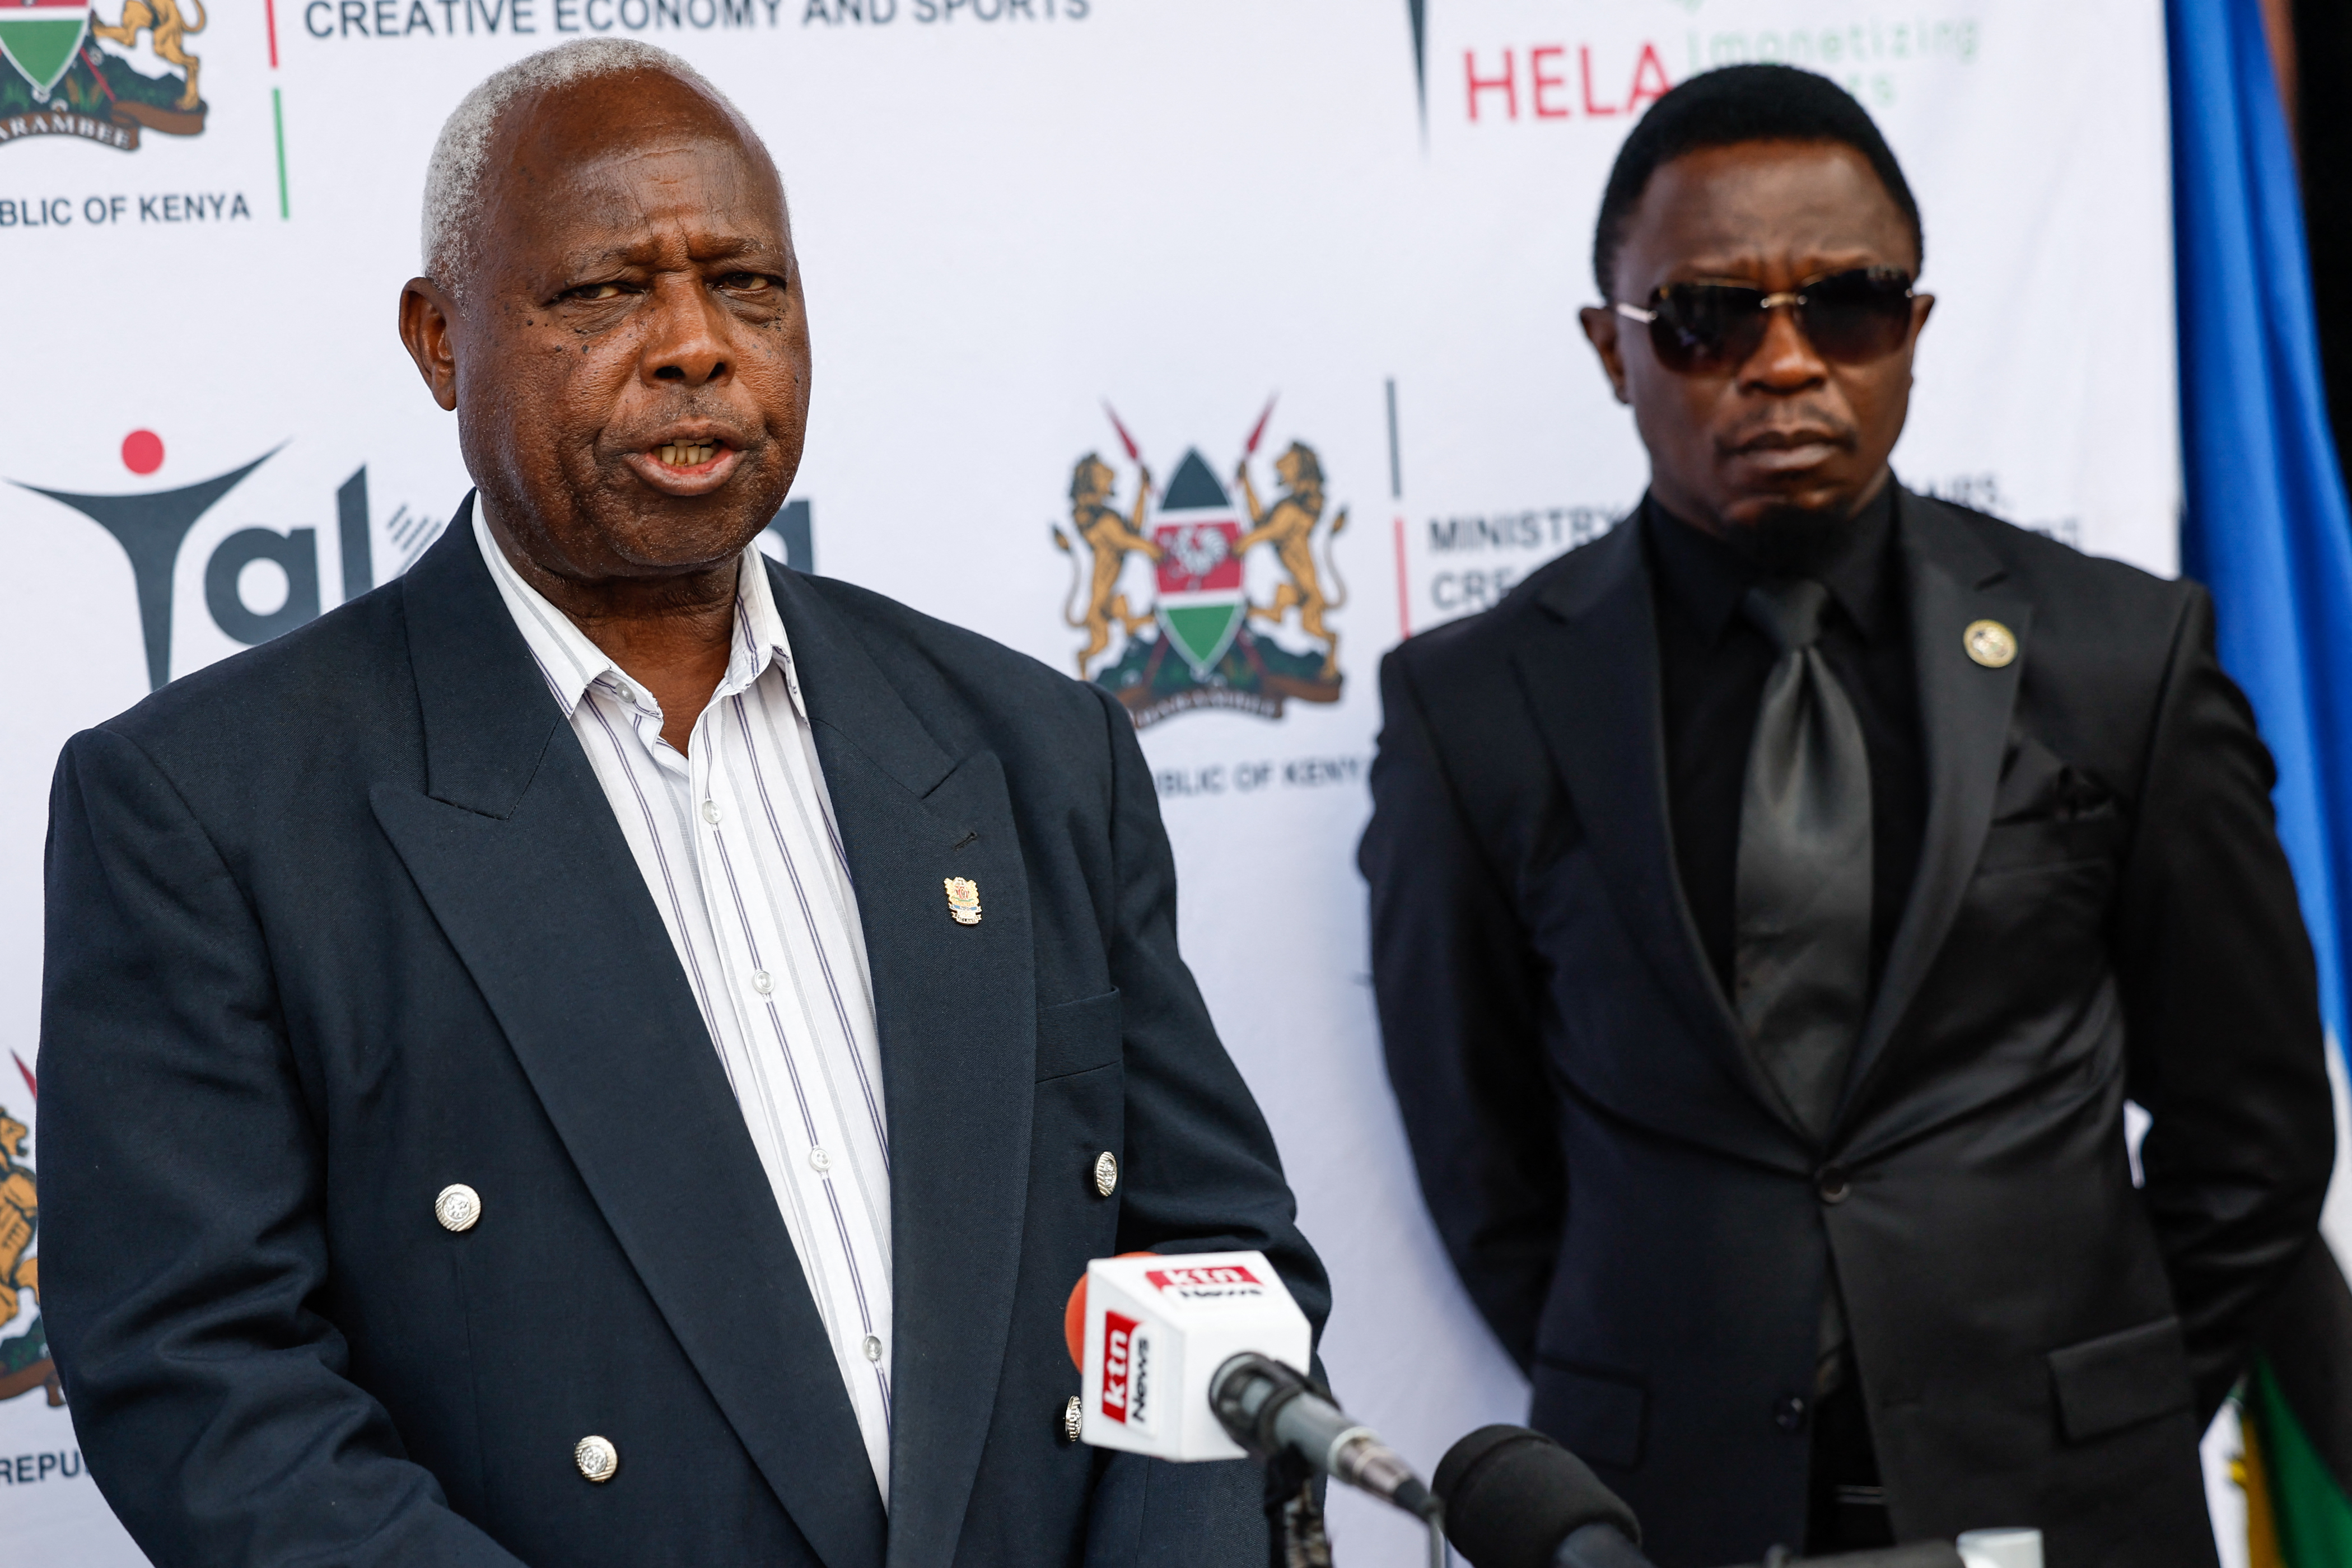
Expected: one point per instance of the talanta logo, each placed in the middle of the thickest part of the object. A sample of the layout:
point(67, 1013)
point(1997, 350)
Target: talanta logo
point(151, 525)
point(1181, 638)
point(62, 82)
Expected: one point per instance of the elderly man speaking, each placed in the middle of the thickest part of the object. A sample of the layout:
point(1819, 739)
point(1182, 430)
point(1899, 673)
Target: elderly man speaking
point(605, 1050)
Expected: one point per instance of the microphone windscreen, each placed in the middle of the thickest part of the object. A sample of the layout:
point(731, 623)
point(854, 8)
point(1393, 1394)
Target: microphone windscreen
point(1512, 1495)
point(1074, 1323)
point(1074, 1316)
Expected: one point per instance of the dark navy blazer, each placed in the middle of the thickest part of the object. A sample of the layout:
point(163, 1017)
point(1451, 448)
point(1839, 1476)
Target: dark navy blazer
point(346, 919)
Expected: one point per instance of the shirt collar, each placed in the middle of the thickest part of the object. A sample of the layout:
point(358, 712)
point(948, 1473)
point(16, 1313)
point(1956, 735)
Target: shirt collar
point(1708, 576)
point(572, 663)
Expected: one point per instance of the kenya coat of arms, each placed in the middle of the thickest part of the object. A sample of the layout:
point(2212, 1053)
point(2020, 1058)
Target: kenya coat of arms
point(1189, 642)
point(64, 83)
point(24, 1362)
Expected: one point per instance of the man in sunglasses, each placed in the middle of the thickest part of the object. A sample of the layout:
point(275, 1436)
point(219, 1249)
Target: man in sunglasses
point(1776, 903)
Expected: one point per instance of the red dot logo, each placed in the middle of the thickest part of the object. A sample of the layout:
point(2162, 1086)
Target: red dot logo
point(143, 451)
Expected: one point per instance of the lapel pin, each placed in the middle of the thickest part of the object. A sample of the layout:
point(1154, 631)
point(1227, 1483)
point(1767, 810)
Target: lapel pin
point(964, 900)
point(1989, 643)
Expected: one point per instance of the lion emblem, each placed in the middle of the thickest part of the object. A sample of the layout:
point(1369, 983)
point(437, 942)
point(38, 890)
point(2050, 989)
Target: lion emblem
point(1288, 527)
point(1209, 625)
point(169, 27)
point(1110, 537)
point(24, 1362)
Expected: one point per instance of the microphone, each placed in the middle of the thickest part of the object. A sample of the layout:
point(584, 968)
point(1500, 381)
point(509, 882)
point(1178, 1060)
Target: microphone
point(1516, 1498)
point(1196, 1357)
point(1268, 1407)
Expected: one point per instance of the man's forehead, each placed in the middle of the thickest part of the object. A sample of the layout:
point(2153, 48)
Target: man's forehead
point(589, 125)
point(584, 180)
point(1741, 201)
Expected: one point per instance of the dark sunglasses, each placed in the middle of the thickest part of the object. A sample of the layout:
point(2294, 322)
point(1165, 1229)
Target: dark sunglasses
point(1852, 317)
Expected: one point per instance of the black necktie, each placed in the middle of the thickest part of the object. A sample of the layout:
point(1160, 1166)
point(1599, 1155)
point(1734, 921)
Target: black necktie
point(1800, 963)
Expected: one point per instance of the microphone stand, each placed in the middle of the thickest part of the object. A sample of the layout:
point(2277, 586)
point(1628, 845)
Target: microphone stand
point(1293, 1520)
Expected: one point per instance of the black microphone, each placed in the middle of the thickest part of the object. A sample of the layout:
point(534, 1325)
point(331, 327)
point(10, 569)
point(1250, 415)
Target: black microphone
point(1268, 1407)
point(1516, 1498)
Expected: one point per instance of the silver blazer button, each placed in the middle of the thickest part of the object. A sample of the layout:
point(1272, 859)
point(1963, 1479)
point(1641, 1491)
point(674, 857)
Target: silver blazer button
point(458, 1207)
point(597, 1458)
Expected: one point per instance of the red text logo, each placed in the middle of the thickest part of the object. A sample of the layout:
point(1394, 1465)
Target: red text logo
point(1223, 1276)
point(1119, 1364)
point(1550, 81)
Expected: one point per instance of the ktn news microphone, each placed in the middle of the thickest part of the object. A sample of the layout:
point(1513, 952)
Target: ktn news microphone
point(1197, 1356)
point(1516, 1498)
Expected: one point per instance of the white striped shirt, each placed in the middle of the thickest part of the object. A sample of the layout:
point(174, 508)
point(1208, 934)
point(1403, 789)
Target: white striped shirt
point(737, 844)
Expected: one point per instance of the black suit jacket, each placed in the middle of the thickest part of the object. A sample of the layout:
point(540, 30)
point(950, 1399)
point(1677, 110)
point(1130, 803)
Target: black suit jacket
point(2101, 910)
point(347, 918)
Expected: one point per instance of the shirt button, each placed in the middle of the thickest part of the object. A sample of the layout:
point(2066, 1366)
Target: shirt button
point(628, 693)
point(1789, 1413)
point(763, 982)
point(820, 1161)
point(710, 813)
point(873, 1348)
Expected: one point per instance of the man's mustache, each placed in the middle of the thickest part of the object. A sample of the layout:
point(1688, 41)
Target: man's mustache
point(690, 419)
point(1789, 428)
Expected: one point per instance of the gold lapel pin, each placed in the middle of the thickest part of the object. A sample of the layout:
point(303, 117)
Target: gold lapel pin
point(964, 900)
point(1989, 643)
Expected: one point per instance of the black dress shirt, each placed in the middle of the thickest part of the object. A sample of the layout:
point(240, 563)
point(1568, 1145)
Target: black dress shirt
point(1712, 664)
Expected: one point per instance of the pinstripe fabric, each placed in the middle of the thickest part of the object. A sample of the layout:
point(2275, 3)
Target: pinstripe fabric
point(737, 844)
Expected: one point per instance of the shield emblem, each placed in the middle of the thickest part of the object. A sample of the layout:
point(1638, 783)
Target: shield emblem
point(1200, 606)
point(40, 38)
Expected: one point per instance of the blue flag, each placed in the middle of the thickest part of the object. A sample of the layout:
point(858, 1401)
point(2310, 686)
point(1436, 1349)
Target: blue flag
point(2267, 529)
point(2266, 525)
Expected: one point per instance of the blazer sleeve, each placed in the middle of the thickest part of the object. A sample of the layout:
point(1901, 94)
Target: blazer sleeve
point(183, 1242)
point(2221, 1011)
point(1460, 994)
point(1201, 1173)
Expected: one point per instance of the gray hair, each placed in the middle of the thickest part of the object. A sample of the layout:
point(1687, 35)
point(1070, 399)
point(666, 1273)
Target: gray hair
point(461, 156)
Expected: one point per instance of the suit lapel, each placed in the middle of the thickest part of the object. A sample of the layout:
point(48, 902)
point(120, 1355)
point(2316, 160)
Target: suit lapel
point(1590, 669)
point(516, 850)
point(956, 1010)
point(1964, 715)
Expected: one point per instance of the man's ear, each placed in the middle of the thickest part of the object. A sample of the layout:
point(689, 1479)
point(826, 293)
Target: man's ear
point(425, 315)
point(1600, 327)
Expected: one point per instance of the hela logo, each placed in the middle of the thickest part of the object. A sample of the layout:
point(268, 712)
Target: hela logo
point(1126, 1371)
point(1224, 1279)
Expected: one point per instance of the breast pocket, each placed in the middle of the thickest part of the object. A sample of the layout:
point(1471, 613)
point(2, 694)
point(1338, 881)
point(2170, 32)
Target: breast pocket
point(1077, 1036)
point(2049, 843)
point(2049, 813)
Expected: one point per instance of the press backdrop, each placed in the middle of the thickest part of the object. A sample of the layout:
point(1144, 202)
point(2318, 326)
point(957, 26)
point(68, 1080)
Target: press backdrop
point(1033, 231)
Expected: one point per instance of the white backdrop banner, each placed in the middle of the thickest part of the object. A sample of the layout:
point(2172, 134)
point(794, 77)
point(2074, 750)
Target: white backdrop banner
point(1287, 288)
